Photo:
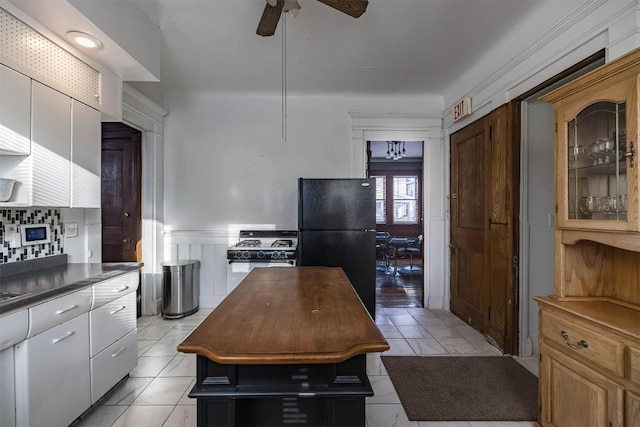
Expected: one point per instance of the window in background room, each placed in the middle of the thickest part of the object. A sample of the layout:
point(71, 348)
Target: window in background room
point(381, 199)
point(405, 199)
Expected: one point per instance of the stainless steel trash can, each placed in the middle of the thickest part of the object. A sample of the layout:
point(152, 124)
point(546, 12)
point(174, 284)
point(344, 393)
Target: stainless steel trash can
point(180, 288)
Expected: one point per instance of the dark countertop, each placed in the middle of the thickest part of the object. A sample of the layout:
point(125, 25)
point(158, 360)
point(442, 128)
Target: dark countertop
point(36, 286)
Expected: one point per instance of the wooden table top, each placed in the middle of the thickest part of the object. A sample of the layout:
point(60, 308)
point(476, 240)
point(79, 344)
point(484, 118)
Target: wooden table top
point(286, 315)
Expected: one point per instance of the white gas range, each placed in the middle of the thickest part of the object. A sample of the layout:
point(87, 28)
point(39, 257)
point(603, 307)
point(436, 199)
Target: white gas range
point(260, 248)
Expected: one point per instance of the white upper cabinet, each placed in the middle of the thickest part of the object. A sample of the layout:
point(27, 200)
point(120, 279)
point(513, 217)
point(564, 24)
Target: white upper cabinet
point(85, 156)
point(63, 166)
point(50, 147)
point(15, 112)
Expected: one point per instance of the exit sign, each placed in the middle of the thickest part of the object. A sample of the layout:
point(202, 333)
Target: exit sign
point(462, 108)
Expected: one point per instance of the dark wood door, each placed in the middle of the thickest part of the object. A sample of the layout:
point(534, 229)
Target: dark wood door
point(484, 225)
point(504, 225)
point(470, 155)
point(121, 192)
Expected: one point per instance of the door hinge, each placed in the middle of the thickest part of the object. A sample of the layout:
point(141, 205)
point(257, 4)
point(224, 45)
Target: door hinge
point(489, 313)
point(556, 127)
point(516, 264)
point(490, 133)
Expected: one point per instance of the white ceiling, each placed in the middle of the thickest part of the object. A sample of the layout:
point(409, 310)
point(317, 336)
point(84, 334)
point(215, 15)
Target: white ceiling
point(397, 47)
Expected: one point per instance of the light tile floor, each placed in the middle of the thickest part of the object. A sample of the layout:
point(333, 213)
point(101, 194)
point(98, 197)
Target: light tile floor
point(155, 394)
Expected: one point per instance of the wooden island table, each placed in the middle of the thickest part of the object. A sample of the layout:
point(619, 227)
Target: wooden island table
point(286, 348)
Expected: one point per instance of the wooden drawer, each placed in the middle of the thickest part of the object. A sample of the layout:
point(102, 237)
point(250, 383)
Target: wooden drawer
point(112, 364)
point(57, 311)
point(111, 322)
point(571, 331)
point(112, 289)
point(634, 365)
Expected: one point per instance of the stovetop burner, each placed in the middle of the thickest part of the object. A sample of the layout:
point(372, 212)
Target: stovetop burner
point(250, 243)
point(280, 243)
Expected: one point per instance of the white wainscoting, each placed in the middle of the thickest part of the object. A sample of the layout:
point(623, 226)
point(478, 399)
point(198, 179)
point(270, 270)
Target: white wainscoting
point(210, 248)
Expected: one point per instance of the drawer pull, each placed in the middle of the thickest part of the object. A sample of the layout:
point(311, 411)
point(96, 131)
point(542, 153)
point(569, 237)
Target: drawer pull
point(119, 309)
point(580, 344)
point(67, 335)
point(120, 350)
point(122, 289)
point(71, 307)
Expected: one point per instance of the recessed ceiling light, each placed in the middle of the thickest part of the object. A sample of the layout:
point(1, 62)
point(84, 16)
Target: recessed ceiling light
point(84, 40)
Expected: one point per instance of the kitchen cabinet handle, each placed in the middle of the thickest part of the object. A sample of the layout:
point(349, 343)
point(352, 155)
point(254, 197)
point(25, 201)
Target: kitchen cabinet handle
point(67, 335)
point(120, 350)
point(120, 309)
point(580, 344)
point(71, 307)
point(122, 289)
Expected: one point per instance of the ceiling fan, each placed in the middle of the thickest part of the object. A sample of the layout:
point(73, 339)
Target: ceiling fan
point(274, 8)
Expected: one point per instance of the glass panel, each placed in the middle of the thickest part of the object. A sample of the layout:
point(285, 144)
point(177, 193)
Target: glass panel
point(405, 199)
point(597, 184)
point(381, 191)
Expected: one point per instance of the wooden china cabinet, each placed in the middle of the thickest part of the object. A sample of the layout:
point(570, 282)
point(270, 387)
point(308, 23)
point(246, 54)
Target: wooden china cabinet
point(590, 327)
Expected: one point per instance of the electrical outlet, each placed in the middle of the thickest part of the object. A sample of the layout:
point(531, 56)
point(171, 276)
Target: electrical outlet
point(71, 229)
point(12, 236)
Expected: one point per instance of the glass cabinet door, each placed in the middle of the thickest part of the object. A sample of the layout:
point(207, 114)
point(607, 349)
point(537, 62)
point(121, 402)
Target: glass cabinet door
point(597, 176)
point(597, 163)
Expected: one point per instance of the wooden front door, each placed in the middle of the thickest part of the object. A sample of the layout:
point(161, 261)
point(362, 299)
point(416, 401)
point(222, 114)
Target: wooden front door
point(484, 226)
point(121, 192)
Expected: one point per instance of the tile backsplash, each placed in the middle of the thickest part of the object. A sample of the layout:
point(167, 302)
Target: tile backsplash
point(31, 216)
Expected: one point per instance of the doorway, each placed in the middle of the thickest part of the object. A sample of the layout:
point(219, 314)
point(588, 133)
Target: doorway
point(484, 224)
point(493, 246)
point(121, 180)
point(397, 167)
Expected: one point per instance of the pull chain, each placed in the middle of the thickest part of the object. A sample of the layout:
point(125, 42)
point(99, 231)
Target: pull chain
point(284, 78)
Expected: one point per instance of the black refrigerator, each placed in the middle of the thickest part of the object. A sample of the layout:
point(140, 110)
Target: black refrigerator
point(336, 222)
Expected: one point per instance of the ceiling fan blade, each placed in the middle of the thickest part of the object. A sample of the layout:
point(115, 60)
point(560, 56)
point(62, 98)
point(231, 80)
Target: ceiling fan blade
point(270, 17)
point(353, 8)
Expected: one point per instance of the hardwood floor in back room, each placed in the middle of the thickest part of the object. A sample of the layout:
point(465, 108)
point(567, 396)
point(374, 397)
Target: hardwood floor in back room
point(403, 289)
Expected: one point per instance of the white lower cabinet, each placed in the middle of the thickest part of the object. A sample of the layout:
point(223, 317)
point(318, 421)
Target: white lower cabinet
point(111, 322)
point(7, 388)
point(72, 355)
point(13, 329)
point(113, 334)
point(112, 364)
point(52, 375)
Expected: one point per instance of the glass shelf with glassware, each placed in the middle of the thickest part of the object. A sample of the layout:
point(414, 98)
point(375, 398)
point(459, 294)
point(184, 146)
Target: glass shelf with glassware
point(596, 163)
